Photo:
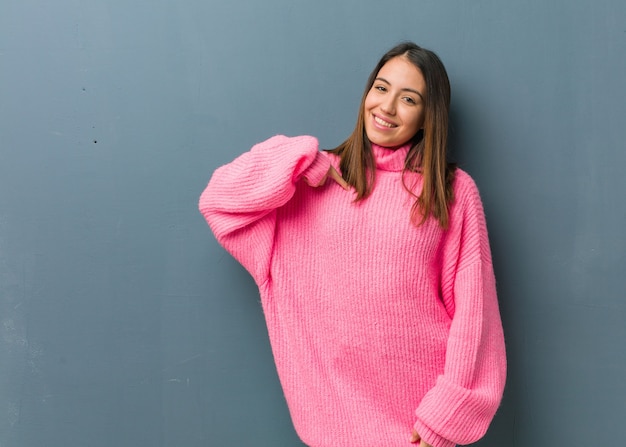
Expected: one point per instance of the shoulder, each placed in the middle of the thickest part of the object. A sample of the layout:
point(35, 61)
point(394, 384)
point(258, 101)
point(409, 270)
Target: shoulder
point(467, 203)
point(464, 186)
point(468, 226)
point(286, 142)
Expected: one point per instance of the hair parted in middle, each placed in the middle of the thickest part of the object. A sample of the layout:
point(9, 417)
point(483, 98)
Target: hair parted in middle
point(428, 152)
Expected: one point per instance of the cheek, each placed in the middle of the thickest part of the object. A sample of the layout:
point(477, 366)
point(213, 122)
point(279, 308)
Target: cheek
point(417, 119)
point(372, 100)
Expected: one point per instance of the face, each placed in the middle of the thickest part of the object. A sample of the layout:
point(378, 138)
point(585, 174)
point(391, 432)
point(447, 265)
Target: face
point(394, 107)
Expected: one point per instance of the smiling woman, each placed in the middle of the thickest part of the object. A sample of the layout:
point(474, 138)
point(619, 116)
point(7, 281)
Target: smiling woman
point(419, 71)
point(374, 269)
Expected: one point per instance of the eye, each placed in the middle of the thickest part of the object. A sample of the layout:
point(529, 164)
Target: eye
point(380, 88)
point(409, 100)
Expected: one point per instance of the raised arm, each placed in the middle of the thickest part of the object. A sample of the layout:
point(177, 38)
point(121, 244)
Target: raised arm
point(461, 405)
point(241, 198)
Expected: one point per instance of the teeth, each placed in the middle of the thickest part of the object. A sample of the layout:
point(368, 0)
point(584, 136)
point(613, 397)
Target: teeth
point(383, 123)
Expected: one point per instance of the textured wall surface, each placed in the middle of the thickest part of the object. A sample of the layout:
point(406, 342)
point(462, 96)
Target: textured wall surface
point(122, 322)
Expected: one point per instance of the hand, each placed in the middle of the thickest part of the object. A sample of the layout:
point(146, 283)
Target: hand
point(334, 176)
point(415, 438)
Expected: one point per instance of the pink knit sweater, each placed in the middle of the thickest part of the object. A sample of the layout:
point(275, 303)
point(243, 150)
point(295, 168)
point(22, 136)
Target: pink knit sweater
point(377, 326)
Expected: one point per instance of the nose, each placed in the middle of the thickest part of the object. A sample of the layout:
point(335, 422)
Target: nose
point(389, 105)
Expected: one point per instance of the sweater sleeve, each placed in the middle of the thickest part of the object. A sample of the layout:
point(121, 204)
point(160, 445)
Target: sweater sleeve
point(462, 403)
point(241, 199)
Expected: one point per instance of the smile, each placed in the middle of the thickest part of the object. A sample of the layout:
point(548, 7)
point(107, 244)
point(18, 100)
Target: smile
point(384, 123)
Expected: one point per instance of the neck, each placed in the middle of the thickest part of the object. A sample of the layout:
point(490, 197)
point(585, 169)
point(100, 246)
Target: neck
point(390, 158)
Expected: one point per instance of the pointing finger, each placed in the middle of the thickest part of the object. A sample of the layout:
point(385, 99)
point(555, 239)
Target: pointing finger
point(337, 178)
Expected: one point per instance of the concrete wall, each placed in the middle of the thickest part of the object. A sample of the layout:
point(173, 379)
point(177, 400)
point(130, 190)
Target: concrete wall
point(124, 323)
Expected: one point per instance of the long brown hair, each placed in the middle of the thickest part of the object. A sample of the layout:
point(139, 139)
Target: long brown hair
point(428, 146)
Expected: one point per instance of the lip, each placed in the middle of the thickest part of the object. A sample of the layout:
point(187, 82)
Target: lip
point(381, 126)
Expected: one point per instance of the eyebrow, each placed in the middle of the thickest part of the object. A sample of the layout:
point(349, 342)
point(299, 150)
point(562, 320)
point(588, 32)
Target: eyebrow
point(404, 89)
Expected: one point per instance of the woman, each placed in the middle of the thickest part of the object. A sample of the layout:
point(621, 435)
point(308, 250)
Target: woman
point(374, 269)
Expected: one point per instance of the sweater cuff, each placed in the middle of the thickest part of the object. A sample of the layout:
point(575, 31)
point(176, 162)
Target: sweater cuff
point(450, 411)
point(316, 172)
point(431, 437)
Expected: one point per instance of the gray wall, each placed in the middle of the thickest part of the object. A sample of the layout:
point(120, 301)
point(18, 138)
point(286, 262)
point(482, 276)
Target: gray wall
point(124, 323)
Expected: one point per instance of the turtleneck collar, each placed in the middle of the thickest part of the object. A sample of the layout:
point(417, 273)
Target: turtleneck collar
point(390, 159)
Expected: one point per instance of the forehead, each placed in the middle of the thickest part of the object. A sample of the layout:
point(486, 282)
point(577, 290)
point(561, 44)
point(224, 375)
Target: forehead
point(399, 70)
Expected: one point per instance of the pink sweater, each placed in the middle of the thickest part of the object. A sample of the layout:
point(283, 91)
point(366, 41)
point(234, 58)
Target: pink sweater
point(377, 326)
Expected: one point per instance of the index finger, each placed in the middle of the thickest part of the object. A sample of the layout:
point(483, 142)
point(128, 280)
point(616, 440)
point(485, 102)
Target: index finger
point(338, 178)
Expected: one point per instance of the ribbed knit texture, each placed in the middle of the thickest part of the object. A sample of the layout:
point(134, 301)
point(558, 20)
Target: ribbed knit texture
point(377, 326)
